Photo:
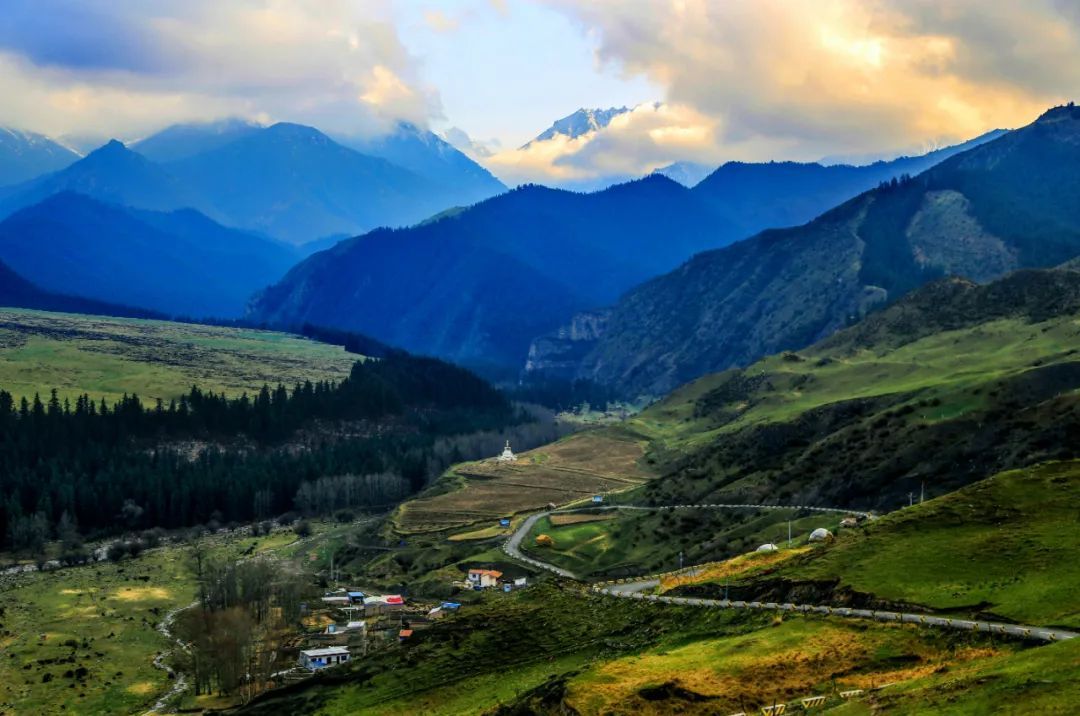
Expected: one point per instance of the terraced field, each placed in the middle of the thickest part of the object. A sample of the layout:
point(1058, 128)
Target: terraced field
point(107, 357)
point(573, 469)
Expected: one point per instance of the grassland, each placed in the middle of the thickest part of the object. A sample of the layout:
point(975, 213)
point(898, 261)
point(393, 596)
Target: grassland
point(82, 640)
point(635, 542)
point(547, 650)
point(107, 357)
point(1006, 546)
point(570, 470)
point(780, 388)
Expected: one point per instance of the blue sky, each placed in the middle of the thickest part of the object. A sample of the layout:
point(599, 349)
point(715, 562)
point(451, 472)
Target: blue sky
point(507, 74)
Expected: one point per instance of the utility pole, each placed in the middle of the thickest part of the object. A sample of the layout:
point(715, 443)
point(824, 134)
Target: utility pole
point(922, 492)
point(789, 533)
point(910, 499)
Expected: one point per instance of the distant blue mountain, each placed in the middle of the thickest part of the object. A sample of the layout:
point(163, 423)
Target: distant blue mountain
point(177, 263)
point(180, 141)
point(426, 155)
point(295, 183)
point(758, 196)
point(25, 155)
point(113, 173)
point(288, 181)
point(17, 292)
point(688, 174)
point(585, 249)
point(473, 285)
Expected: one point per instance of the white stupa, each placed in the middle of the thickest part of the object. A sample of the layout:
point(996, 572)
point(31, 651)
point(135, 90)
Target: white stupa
point(507, 454)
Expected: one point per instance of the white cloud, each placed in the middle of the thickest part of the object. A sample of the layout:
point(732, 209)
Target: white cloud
point(817, 77)
point(126, 67)
point(648, 137)
point(476, 148)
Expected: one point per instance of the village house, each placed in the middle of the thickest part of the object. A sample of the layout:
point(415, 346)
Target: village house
point(375, 605)
point(315, 659)
point(484, 578)
point(336, 600)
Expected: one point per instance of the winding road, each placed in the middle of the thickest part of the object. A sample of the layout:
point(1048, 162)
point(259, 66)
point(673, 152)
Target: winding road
point(635, 589)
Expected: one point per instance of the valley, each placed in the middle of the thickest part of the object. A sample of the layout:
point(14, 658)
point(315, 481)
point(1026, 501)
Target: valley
point(539, 358)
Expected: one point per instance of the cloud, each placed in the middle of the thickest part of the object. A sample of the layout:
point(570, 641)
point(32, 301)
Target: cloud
point(439, 21)
point(815, 77)
point(475, 148)
point(633, 143)
point(129, 67)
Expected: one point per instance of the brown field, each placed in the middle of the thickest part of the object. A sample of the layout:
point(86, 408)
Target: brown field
point(790, 660)
point(740, 566)
point(578, 518)
point(573, 469)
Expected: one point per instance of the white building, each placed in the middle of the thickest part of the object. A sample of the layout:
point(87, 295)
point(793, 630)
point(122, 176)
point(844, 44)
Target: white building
point(507, 454)
point(315, 659)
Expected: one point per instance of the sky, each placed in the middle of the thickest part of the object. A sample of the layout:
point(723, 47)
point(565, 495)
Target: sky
point(710, 80)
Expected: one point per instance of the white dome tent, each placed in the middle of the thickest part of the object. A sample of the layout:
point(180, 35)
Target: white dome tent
point(768, 547)
point(820, 535)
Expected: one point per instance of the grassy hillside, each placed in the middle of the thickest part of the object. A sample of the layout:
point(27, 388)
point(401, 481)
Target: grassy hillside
point(1005, 546)
point(548, 650)
point(107, 357)
point(935, 392)
point(634, 543)
point(952, 384)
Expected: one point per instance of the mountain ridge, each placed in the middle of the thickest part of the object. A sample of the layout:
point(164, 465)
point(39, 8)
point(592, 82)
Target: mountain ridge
point(175, 263)
point(1001, 205)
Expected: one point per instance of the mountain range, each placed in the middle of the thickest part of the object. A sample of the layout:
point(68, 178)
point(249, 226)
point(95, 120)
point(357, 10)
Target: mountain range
point(689, 174)
point(288, 181)
point(588, 249)
point(174, 263)
point(1004, 204)
point(25, 155)
point(560, 250)
point(578, 124)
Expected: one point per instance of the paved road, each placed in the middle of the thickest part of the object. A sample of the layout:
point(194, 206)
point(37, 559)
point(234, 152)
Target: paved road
point(635, 589)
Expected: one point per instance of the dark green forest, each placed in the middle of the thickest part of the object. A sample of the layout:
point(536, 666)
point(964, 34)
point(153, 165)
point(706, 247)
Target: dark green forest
point(208, 457)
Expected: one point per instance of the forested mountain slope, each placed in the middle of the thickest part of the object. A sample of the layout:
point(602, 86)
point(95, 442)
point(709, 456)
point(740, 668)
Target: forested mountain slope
point(480, 283)
point(1005, 204)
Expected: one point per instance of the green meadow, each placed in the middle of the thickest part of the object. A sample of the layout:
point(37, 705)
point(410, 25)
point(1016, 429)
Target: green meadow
point(1006, 546)
point(83, 639)
point(108, 357)
point(949, 366)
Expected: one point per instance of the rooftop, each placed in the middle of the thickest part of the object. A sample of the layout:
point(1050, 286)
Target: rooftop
point(327, 651)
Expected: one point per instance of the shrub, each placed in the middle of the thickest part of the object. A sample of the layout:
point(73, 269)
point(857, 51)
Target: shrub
point(153, 537)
